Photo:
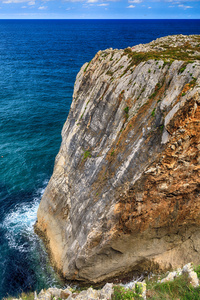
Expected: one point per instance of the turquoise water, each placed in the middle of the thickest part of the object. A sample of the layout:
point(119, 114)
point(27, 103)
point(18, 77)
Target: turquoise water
point(39, 61)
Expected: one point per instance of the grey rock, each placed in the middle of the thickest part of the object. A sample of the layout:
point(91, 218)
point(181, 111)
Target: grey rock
point(106, 292)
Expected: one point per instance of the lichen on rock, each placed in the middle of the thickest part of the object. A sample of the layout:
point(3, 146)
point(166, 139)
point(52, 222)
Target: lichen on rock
point(125, 192)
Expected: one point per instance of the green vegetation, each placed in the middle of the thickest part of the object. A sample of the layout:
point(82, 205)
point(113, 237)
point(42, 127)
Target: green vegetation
point(179, 288)
point(121, 293)
point(158, 85)
point(193, 81)
point(112, 153)
point(197, 270)
point(104, 54)
point(183, 94)
point(161, 127)
point(126, 110)
point(167, 63)
point(86, 154)
point(112, 56)
point(157, 88)
point(110, 73)
point(153, 95)
point(87, 66)
point(153, 112)
point(168, 55)
point(182, 69)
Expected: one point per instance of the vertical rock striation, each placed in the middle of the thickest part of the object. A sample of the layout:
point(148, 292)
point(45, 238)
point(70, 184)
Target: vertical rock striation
point(125, 191)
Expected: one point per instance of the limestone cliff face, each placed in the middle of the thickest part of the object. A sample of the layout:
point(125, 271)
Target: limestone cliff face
point(125, 191)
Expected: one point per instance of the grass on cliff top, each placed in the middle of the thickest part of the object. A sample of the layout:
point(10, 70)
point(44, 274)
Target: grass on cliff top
point(178, 289)
point(185, 53)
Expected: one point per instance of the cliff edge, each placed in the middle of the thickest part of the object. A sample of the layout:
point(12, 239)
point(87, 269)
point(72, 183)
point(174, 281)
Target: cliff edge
point(125, 192)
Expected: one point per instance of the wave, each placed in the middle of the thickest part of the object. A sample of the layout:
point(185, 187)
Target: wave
point(18, 223)
point(23, 257)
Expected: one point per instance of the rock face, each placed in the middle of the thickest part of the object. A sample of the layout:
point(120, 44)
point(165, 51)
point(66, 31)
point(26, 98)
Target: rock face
point(125, 192)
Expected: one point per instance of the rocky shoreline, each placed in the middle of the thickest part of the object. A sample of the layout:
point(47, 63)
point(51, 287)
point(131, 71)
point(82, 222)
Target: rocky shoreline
point(138, 288)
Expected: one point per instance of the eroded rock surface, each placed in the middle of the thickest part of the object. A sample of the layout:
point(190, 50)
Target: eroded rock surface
point(125, 192)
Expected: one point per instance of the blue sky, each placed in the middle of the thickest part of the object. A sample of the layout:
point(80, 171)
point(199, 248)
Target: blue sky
point(99, 9)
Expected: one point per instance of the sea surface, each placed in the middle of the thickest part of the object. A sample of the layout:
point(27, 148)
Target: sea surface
point(39, 60)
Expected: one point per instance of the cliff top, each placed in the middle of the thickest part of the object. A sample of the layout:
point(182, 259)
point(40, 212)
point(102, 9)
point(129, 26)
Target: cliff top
point(169, 48)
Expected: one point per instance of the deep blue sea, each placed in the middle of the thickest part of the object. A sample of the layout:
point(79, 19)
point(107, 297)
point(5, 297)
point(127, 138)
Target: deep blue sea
point(39, 60)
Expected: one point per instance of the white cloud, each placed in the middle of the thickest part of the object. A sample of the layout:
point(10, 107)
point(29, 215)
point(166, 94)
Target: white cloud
point(181, 2)
point(103, 4)
point(134, 1)
point(32, 2)
point(14, 1)
point(89, 1)
point(42, 7)
point(184, 6)
point(149, 7)
point(73, 0)
point(130, 6)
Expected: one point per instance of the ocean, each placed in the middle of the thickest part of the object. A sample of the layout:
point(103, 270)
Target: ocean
point(39, 60)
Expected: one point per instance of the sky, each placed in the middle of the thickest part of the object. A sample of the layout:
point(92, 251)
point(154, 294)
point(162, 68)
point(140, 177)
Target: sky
point(99, 9)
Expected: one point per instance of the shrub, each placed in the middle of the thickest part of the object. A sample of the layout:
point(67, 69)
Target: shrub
point(86, 154)
point(112, 153)
point(153, 112)
point(179, 288)
point(87, 66)
point(182, 69)
point(121, 293)
point(126, 110)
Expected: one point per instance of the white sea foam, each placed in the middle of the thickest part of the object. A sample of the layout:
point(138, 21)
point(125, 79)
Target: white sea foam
point(18, 224)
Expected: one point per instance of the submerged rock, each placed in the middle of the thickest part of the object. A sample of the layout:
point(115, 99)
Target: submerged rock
point(125, 192)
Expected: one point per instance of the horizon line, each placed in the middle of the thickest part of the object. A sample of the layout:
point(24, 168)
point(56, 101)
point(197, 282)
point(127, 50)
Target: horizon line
point(81, 19)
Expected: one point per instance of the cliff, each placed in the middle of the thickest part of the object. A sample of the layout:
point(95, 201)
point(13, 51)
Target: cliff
point(125, 192)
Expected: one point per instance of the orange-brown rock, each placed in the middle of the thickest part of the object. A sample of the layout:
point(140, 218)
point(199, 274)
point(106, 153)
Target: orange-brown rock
point(125, 192)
